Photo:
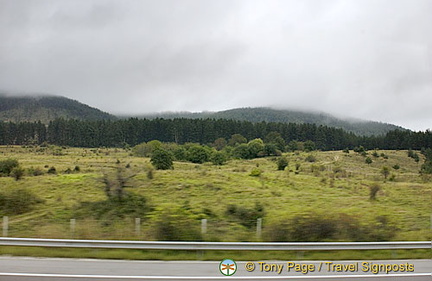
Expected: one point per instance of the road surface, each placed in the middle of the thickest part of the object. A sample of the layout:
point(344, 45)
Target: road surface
point(53, 269)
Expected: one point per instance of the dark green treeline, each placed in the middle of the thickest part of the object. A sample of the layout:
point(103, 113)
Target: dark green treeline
point(118, 133)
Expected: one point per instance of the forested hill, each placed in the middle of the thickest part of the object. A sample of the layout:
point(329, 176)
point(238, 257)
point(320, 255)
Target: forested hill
point(46, 108)
point(263, 114)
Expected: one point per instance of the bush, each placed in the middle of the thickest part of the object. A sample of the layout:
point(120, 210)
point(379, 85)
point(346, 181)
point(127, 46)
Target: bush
point(426, 168)
point(359, 149)
point(18, 201)
point(162, 159)
point(385, 171)
point(242, 151)
point(52, 170)
point(218, 158)
point(373, 191)
point(180, 153)
point(6, 166)
point(320, 227)
point(368, 160)
point(255, 173)
point(256, 148)
point(312, 228)
point(396, 167)
point(198, 154)
point(309, 146)
point(310, 158)
point(173, 223)
point(130, 205)
point(36, 172)
point(282, 163)
point(150, 174)
point(245, 216)
point(146, 149)
point(17, 173)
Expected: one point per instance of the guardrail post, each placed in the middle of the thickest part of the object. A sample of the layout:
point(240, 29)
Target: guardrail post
point(259, 228)
point(137, 226)
point(72, 227)
point(203, 226)
point(5, 226)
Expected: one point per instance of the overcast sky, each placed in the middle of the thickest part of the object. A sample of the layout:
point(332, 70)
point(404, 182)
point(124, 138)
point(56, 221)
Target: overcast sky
point(369, 59)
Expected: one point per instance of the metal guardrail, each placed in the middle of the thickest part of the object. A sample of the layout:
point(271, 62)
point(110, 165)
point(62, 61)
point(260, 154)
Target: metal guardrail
point(237, 246)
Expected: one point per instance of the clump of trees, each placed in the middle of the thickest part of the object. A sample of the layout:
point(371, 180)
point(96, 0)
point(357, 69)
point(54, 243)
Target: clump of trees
point(218, 152)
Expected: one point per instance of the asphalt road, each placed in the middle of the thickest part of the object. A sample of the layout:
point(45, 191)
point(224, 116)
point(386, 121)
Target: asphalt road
point(50, 269)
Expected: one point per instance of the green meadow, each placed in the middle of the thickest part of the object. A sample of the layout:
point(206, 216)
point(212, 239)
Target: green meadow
point(320, 196)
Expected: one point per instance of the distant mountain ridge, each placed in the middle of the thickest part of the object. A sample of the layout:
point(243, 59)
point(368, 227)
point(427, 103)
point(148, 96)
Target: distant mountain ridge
point(46, 108)
point(265, 114)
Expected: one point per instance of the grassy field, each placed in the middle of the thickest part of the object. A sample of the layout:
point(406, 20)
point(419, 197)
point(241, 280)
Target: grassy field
point(329, 185)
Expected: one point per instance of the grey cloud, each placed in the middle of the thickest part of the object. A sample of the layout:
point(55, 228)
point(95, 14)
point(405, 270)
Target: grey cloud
point(368, 59)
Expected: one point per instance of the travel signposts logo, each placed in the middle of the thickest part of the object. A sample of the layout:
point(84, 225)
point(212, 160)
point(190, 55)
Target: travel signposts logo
point(228, 267)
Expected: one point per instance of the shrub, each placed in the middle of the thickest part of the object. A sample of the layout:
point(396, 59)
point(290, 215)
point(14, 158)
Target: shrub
point(162, 159)
point(242, 151)
point(180, 153)
point(255, 173)
point(150, 174)
point(310, 158)
point(35, 171)
point(130, 205)
point(146, 149)
point(385, 171)
point(396, 167)
point(18, 201)
point(256, 148)
point(319, 227)
point(218, 158)
point(245, 216)
point(173, 223)
point(282, 163)
point(312, 228)
point(6, 166)
point(413, 155)
point(17, 173)
point(52, 170)
point(426, 168)
point(368, 160)
point(198, 154)
point(359, 149)
point(373, 190)
point(309, 146)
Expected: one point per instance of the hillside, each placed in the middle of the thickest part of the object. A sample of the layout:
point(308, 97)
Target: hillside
point(46, 108)
point(260, 114)
point(326, 193)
